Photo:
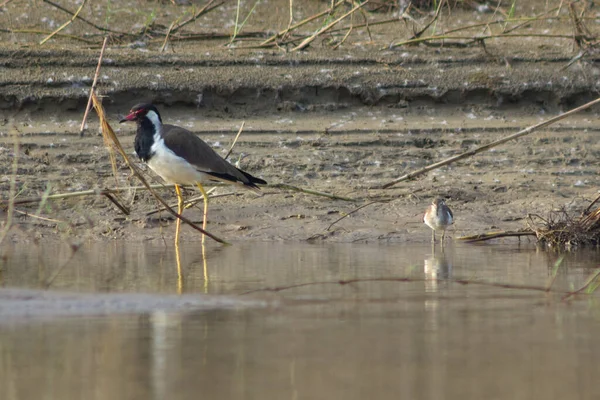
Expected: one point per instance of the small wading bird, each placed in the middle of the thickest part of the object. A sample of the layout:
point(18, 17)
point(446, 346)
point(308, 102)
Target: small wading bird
point(438, 217)
point(182, 158)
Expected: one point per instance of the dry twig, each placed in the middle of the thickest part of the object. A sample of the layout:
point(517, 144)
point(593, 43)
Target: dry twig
point(311, 38)
point(488, 146)
point(346, 215)
point(308, 191)
point(63, 26)
point(58, 6)
point(208, 7)
point(235, 140)
point(11, 193)
point(89, 103)
point(305, 21)
point(495, 235)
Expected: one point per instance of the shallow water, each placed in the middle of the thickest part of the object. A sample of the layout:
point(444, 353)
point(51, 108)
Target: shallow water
point(427, 339)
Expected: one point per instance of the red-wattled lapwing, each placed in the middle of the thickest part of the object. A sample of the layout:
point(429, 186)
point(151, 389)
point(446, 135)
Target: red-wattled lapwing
point(182, 158)
point(438, 217)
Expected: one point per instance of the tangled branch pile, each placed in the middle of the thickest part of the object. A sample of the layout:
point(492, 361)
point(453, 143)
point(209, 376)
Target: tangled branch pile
point(560, 229)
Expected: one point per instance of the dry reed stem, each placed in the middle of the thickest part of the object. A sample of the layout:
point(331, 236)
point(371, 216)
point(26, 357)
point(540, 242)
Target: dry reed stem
point(235, 140)
point(476, 39)
point(434, 19)
point(366, 25)
point(164, 45)
point(341, 42)
point(111, 153)
point(28, 214)
point(205, 36)
point(495, 235)
point(92, 192)
point(308, 191)
point(291, 20)
point(58, 6)
point(561, 230)
point(303, 22)
point(40, 32)
point(63, 26)
point(208, 7)
point(538, 17)
point(505, 33)
point(121, 207)
point(11, 192)
point(346, 215)
point(311, 38)
point(102, 192)
point(480, 149)
point(89, 103)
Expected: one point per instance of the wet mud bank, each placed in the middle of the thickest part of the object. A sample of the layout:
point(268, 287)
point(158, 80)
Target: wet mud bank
point(339, 122)
point(251, 83)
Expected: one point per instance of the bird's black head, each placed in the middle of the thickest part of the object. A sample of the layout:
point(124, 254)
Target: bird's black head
point(139, 111)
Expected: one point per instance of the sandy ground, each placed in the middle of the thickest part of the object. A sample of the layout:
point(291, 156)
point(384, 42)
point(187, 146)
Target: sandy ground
point(341, 121)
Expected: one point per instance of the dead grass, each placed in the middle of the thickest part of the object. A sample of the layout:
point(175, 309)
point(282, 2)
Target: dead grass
point(557, 229)
point(421, 22)
point(561, 230)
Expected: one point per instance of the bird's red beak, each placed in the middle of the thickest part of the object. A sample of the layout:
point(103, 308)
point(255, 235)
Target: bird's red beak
point(131, 117)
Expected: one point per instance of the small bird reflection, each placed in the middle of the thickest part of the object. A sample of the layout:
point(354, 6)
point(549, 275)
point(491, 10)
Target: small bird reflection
point(437, 268)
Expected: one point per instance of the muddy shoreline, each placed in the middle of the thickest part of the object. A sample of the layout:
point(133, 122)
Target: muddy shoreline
point(244, 83)
point(340, 121)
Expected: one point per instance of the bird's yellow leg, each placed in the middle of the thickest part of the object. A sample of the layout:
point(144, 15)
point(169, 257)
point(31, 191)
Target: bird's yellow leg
point(205, 264)
point(179, 270)
point(204, 217)
point(177, 228)
point(179, 211)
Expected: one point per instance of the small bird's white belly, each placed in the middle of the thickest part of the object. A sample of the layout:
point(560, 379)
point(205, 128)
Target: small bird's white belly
point(172, 168)
point(439, 223)
point(437, 226)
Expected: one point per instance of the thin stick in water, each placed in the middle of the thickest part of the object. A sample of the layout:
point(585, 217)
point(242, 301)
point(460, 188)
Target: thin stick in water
point(590, 280)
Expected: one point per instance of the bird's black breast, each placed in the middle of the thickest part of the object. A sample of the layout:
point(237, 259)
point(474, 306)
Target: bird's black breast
point(144, 139)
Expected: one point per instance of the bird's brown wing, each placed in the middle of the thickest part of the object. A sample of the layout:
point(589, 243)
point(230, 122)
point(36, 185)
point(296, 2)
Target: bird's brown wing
point(189, 146)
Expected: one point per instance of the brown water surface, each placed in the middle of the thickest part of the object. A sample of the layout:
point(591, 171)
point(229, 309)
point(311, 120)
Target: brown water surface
point(114, 327)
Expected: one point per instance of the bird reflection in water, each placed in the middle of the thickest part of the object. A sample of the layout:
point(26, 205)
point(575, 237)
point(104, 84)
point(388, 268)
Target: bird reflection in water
point(437, 268)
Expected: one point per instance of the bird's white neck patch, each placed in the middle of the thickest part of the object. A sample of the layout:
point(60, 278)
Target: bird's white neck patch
point(155, 120)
